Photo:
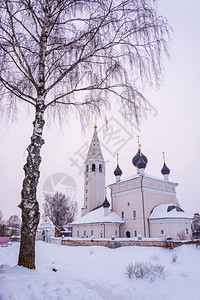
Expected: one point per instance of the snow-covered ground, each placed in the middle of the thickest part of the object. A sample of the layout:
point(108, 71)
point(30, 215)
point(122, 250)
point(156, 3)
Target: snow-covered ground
point(98, 273)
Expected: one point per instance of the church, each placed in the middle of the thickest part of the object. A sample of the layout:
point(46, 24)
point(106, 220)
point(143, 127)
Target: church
point(141, 205)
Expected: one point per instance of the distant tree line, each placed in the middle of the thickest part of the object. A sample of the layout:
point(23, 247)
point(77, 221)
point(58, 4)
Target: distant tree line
point(11, 226)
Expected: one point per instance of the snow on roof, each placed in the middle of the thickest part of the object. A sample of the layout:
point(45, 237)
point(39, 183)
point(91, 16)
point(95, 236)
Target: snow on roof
point(97, 216)
point(46, 223)
point(168, 211)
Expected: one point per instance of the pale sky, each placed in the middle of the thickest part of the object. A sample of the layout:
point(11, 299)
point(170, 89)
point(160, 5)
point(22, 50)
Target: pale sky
point(172, 126)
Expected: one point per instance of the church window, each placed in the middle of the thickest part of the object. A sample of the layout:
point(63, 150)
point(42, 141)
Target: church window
point(86, 206)
point(134, 213)
point(100, 168)
point(84, 233)
point(128, 204)
point(162, 231)
point(86, 183)
point(187, 231)
point(122, 214)
point(92, 232)
point(87, 168)
point(135, 233)
point(93, 167)
point(86, 191)
point(86, 198)
point(77, 233)
point(115, 231)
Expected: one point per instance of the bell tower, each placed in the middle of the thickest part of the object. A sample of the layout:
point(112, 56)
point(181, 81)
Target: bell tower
point(94, 183)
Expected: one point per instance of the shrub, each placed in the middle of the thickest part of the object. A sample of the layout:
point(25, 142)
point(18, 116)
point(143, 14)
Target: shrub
point(145, 270)
point(181, 235)
point(174, 258)
point(155, 257)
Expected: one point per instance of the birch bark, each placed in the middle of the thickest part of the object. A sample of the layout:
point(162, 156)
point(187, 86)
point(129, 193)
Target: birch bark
point(29, 203)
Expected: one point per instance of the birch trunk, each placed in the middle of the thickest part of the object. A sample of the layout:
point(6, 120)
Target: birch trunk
point(29, 203)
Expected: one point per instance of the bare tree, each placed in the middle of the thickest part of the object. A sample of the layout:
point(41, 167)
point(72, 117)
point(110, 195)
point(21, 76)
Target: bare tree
point(2, 225)
point(59, 56)
point(60, 209)
point(14, 221)
point(1, 217)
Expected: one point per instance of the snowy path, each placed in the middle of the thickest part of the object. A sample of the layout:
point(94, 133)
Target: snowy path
point(98, 273)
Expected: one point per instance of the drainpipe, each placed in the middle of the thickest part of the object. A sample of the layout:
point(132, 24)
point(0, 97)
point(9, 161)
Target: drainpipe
point(149, 227)
point(143, 205)
point(104, 230)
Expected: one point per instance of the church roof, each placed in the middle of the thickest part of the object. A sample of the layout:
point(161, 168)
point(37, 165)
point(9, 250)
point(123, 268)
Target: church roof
point(144, 175)
point(94, 151)
point(168, 211)
point(46, 223)
point(97, 216)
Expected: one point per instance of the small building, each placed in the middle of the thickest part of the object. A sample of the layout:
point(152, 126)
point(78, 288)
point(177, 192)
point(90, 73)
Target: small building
point(99, 223)
point(169, 220)
point(46, 230)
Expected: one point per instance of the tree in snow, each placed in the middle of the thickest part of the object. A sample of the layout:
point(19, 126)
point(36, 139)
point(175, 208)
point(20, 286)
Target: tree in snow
point(2, 225)
point(74, 56)
point(60, 209)
point(13, 221)
point(1, 217)
point(195, 226)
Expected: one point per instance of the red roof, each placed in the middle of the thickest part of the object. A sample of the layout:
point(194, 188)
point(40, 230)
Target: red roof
point(4, 239)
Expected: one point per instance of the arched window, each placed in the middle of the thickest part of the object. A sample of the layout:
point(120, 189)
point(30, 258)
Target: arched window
point(135, 233)
point(93, 167)
point(134, 213)
point(100, 168)
point(122, 214)
point(162, 231)
point(87, 168)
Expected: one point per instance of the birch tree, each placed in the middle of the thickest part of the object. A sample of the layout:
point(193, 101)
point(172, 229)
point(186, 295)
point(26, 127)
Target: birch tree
point(74, 55)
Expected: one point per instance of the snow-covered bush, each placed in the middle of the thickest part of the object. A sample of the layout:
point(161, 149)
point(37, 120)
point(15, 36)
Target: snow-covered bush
point(155, 257)
point(181, 235)
point(146, 270)
point(174, 258)
point(130, 271)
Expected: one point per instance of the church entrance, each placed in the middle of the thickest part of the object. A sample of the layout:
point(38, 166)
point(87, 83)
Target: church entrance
point(128, 235)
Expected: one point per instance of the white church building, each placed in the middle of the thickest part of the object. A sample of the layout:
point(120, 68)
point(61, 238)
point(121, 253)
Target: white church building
point(140, 205)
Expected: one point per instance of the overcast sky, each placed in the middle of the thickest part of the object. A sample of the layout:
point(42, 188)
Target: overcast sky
point(172, 126)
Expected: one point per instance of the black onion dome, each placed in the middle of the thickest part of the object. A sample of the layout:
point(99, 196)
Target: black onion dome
point(165, 170)
point(106, 203)
point(141, 163)
point(137, 157)
point(118, 171)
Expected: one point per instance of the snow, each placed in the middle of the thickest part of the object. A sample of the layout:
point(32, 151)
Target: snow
point(160, 211)
point(97, 216)
point(95, 273)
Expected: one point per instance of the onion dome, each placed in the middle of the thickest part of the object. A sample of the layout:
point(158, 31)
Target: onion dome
point(141, 164)
point(136, 158)
point(106, 203)
point(118, 171)
point(165, 170)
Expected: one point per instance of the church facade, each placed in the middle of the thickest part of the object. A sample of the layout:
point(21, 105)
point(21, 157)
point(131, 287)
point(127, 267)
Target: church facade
point(140, 205)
